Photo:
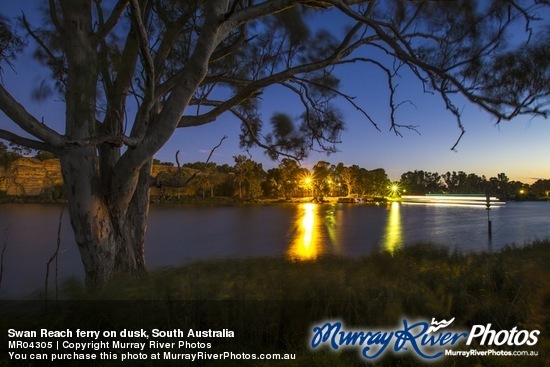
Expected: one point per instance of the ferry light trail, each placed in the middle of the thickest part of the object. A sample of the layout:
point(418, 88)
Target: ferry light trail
point(452, 200)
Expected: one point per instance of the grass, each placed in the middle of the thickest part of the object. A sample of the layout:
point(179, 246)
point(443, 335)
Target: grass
point(272, 303)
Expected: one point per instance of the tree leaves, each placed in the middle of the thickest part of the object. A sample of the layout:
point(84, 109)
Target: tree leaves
point(10, 42)
point(453, 48)
point(296, 28)
point(519, 75)
point(285, 137)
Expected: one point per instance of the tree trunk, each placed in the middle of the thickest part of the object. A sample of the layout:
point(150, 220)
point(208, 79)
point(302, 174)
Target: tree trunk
point(110, 240)
point(108, 192)
point(109, 246)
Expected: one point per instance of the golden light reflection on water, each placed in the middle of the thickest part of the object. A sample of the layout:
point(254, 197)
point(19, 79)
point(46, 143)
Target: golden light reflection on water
point(332, 222)
point(305, 244)
point(393, 235)
point(316, 231)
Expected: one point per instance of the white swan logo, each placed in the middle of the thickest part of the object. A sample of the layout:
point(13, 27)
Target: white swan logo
point(439, 325)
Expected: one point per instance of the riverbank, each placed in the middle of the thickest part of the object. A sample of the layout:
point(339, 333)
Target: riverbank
point(207, 201)
point(272, 303)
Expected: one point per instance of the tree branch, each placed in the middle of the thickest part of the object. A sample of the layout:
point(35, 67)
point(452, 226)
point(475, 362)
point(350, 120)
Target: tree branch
point(196, 173)
point(233, 47)
point(259, 143)
point(53, 58)
point(18, 114)
point(154, 136)
point(252, 88)
point(29, 143)
point(112, 21)
point(347, 97)
point(54, 18)
point(166, 45)
point(147, 57)
point(261, 10)
point(407, 55)
point(214, 149)
point(114, 140)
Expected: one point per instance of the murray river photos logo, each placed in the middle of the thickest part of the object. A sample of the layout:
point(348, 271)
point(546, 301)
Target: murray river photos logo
point(428, 341)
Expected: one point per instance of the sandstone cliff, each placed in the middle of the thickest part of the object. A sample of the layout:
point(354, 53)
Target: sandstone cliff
point(30, 177)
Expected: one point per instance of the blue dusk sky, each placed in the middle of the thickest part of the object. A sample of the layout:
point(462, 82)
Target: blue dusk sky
point(519, 147)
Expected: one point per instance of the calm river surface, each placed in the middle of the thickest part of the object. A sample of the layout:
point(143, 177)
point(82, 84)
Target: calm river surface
point(180, 234)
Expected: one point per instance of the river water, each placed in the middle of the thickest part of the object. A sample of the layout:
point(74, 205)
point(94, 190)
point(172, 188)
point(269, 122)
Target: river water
point(182, 234)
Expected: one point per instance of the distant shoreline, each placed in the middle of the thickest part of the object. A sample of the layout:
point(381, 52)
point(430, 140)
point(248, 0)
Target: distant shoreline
point(219, 200)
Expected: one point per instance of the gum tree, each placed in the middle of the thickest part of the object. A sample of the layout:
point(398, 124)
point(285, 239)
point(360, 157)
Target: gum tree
point(186, 63)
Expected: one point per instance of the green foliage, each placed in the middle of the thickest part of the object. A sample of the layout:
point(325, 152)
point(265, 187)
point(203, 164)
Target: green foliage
point(420, 182)
point(295, 25)
point(290, 177)
point(287, 180)
point(321, 177)
point(248, 177)
point(272, 302)
point(43, 155)
point(7, 156)
point(159, 163)
point(520, 73)
point(10, 42)
point(53, 194)
point(541, 189)
point(285, 137)
point(324, 125)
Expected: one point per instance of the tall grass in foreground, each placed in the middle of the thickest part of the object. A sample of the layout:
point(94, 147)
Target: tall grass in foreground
point(272, 303)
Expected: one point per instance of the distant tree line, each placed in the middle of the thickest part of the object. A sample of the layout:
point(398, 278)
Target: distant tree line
point(424, 182)
point(11, 153)
point(246, 179)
